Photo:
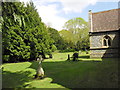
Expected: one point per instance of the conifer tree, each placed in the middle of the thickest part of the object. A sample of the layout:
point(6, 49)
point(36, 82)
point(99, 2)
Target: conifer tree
point(24, 34)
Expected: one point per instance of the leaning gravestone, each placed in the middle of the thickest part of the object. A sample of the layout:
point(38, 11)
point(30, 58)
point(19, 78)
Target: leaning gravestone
point(40, 71)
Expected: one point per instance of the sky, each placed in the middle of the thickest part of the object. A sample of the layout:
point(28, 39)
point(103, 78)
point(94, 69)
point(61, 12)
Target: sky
point(55, 13)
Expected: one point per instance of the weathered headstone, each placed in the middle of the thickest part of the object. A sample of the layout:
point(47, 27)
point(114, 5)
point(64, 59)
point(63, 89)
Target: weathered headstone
point(68, 57)
point(38, 59)
point(40, 71)
point(75, 56)
point(41, 58)
point(86, 52)
point(79, 51)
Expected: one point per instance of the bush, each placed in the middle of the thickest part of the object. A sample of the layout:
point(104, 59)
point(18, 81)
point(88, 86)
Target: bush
point(5, 58)
point(67, 50)
point(54, 48)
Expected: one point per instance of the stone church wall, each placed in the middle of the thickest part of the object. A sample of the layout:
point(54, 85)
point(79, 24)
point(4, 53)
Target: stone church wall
point(97, 50)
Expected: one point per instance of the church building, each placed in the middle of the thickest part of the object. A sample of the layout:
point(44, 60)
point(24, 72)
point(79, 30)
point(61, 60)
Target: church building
point(104, 34)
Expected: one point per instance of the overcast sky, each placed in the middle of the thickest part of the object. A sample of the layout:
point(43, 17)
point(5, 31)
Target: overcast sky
point(56, 12)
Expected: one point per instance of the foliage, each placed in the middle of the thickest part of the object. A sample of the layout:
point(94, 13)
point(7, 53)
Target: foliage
point(66, 35)
point(59, 42)
point(24, 35)
point(67, 50)
point(76, 33)
point(68, 38)
point(54, 48)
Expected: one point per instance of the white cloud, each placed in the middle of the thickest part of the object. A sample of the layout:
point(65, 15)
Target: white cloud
point(76, 5)
point(50, 13)
point(108, 0)
point(25, 1)
point(70, 6)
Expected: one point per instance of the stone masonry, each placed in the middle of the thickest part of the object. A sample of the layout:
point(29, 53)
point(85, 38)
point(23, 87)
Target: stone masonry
point(98, 30)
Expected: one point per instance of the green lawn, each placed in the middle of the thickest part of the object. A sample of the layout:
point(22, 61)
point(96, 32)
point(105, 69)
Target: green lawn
point(63, 74)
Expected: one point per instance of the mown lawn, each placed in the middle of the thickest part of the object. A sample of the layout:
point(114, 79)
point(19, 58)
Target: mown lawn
point(63, 74)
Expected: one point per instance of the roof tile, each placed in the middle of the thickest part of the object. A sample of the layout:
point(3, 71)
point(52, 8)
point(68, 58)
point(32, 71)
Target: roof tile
point(106, 20)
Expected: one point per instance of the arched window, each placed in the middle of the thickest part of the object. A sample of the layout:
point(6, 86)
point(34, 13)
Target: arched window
point(106, 41)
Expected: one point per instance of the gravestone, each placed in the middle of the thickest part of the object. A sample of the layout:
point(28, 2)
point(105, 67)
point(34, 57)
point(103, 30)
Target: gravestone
point(68, 57)
point(75, 56)
point(40, 71)
point(86, 52)
point(79, 51)
point(38, 59)
point(41, 58)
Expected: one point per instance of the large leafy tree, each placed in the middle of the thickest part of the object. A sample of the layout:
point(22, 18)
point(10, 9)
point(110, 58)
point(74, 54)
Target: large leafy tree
point(78, 28)
point(40, 41)
point(67, 36)
point(24, 35)
point(58, 40)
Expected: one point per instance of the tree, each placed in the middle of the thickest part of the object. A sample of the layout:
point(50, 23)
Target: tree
point(13, 44)
point(67, 38)
point(79, 32)
point(58, 40)
point(39, 39)
point(24, 35)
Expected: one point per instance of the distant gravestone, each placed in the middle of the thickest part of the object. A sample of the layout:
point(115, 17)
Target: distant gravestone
point(86, 52)
point(75, 56)
point(79, 51)
point(68, 57)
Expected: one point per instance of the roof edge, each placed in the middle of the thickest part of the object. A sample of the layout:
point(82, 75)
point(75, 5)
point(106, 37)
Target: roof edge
point(105, 11)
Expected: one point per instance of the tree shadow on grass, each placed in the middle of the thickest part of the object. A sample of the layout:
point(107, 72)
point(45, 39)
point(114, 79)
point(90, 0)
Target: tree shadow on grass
point(81, 74)
point(84, 57)
point(15, 79)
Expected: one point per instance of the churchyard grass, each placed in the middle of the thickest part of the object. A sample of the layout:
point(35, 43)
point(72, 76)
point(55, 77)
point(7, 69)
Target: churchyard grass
point(59, 73)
